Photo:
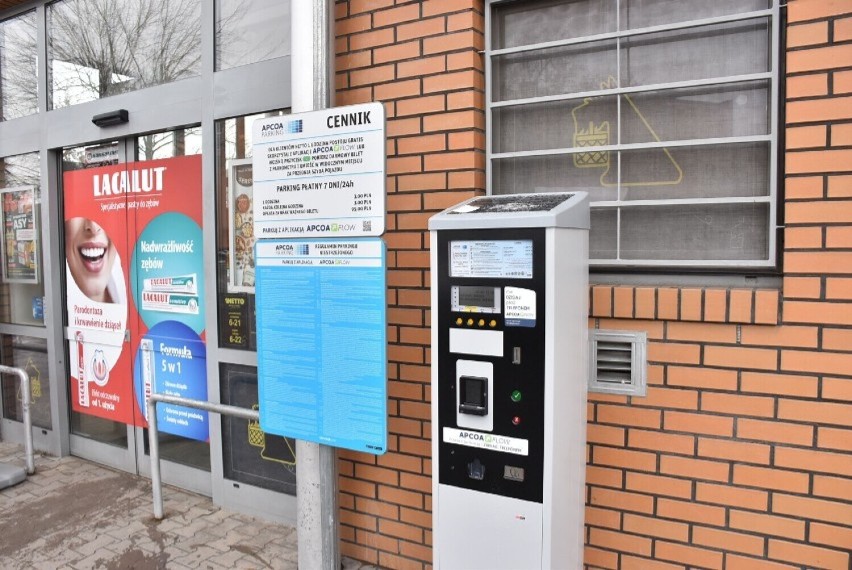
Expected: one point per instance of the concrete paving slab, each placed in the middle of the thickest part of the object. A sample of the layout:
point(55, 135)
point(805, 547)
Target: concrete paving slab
point(74, 514)
point(11, 474)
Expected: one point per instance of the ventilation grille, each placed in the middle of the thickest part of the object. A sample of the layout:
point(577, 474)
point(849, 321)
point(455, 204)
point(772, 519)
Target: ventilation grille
point(618, 362)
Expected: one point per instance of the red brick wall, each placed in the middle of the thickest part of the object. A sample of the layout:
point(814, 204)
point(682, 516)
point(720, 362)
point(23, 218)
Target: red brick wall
point(740, 456)
point(421, 60)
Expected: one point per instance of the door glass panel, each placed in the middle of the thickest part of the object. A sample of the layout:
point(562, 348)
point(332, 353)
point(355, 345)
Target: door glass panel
point(31, 355)
point(168, 271)
point(249, 455)
point(21, 274)
point(95, 281)
point(99, 429)
point(133, 244)
point(168, 144)
point(235, 232)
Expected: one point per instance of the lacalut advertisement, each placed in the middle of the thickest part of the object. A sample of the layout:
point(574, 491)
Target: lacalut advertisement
point(135, 291)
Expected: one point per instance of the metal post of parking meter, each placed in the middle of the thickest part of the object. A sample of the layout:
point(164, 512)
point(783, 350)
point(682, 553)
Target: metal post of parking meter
point(316, 465)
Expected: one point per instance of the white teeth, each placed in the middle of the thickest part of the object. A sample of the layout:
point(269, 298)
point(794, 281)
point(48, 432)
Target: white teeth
point(92, 252)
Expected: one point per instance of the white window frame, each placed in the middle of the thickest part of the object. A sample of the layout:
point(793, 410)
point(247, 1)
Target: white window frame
point(772, 75)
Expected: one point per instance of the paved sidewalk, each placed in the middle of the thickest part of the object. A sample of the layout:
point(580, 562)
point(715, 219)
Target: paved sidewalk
point(76, 514)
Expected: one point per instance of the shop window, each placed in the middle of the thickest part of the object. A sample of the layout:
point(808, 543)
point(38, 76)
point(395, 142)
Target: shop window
point(98, 48)
point(18, 67)
point(249, 455)
point(168, 144)
point(29, 354)
point(21, 270)
point(662, 111)
point(235, 232)
point(249, 31)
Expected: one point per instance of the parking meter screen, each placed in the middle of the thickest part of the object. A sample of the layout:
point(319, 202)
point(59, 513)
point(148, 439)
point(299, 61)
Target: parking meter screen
point(473, 299)
point(492, 259)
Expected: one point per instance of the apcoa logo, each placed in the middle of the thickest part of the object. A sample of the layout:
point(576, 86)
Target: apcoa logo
point(472, 435)
point(330, 228)
point(294, 126)
point(279, 128)
point(485, 438)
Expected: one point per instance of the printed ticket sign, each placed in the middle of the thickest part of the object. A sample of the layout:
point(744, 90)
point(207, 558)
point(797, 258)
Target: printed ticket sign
point(135, 301)
point(491, 258)
point(320, 174)
point(520, 307)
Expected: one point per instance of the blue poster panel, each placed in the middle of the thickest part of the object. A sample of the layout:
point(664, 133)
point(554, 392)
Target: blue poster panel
point(322, 341)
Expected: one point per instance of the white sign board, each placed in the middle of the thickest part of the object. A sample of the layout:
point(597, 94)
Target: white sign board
point(320, 174)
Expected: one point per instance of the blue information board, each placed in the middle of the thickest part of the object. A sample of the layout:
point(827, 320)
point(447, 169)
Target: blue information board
point(322, 341)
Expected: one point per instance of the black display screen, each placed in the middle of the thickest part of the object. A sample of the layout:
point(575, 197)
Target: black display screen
point(474, 299)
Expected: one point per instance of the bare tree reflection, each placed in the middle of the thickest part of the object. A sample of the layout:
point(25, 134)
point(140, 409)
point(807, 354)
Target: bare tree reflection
point(99, 48)
point(20, 170)
point(179, 142)
point(248, 31)
point(18, 67)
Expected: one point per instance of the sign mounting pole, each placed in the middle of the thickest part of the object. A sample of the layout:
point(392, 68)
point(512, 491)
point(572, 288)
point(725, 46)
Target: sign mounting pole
point(312, 69)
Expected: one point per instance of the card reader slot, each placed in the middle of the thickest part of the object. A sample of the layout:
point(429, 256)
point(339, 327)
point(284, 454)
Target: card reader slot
point(473, 395)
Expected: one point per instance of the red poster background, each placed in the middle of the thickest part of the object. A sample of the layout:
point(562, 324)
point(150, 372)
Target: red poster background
point(122, 206)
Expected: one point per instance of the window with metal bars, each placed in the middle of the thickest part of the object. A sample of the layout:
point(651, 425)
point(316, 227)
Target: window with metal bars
point(664, 111)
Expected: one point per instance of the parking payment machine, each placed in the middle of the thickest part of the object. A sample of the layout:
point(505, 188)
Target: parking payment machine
point(509, 346)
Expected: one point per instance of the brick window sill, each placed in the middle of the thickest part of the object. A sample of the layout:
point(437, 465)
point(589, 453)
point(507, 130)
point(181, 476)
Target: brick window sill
point(693, 304)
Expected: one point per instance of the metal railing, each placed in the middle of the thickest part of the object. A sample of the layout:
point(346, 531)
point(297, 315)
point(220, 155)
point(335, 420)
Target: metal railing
point(27, 416)
point(154, 439)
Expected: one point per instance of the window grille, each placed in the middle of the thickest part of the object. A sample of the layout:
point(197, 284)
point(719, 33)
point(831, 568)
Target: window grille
point(664, 111)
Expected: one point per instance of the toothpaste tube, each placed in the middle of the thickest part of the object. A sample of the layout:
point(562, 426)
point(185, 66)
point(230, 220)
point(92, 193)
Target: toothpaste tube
point(169, 302)
point(82, 383)
point(176, 284)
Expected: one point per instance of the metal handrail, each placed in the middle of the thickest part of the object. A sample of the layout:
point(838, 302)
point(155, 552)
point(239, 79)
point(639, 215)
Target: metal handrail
point(154, 439)
point(28, 420)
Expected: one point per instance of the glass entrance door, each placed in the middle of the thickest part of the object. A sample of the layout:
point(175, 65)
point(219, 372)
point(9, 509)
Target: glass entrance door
point(134, 324)
point(184, 447)
point(96, 298)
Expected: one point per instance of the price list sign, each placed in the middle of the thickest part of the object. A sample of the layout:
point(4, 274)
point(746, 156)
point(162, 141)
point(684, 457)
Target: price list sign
point(320, 174)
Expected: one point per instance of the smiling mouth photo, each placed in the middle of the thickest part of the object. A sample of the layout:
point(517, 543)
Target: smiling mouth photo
point(93, 257)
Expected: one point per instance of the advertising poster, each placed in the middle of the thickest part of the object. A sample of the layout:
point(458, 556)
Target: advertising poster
point(20, 235)
point(135, 291)
point(241, 228)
